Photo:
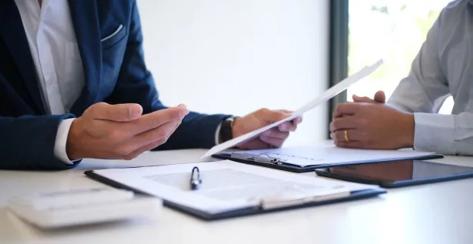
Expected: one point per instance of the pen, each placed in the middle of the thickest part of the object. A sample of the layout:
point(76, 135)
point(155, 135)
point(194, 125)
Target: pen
point(195, 180)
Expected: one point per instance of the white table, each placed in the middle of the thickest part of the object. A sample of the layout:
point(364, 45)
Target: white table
point(434, 213)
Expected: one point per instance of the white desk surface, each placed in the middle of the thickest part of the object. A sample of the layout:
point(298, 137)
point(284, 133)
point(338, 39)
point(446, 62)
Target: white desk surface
point(433, 213)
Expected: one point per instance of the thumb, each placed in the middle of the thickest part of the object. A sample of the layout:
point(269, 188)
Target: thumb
point(118, 112)
point(380, 97)
point(359, 99)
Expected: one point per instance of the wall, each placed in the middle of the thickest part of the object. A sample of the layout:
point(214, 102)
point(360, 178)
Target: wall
point(235, 56)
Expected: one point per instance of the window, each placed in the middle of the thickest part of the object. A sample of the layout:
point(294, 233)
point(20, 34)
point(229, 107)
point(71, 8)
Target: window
point(392, 30)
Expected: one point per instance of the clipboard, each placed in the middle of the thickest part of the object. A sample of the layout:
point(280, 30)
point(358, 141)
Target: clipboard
point(308, 158)
point(243, 211)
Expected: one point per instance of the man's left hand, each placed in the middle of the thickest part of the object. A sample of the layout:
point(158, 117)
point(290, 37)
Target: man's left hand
point(274, 137)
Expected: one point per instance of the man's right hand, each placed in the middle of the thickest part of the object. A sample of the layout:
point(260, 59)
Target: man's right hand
point(120, 131)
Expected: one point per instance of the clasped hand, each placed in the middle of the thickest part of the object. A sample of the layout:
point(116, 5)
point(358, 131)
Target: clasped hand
point(369, 123)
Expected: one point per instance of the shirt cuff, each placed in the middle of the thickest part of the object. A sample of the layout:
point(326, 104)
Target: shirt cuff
point(434, 132)
point(217, 133)
point(61, 141)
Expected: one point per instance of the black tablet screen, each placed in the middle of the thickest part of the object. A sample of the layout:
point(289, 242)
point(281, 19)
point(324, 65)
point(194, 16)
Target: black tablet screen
point(397, 172)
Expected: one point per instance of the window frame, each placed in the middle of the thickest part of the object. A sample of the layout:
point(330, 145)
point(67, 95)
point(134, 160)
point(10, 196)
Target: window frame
point(338, 50)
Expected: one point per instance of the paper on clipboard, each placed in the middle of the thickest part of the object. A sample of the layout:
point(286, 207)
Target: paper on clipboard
point(246, 186)
point(327, 95)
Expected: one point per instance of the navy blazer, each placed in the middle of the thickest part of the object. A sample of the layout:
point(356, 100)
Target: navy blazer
point(115, 72)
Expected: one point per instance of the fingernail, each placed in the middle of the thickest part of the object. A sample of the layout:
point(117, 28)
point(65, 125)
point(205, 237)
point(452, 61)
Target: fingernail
point(183, 109)
point(282, 127)
point(182, 106)
point(136, 111)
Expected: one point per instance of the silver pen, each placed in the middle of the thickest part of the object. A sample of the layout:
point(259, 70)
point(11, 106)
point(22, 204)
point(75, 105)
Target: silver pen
point(195, 180)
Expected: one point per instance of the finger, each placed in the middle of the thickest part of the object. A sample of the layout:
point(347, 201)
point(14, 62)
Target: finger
point(287, 126)
point(276, 134)
point(346, 109)
point(297, 120)
point(351, 135)
point(290, 125)
point(117, 112)
point(159, 134)
point(139, 142)
point(143, 149)
point(338, 137)
point(341, 123)
point(156, 141)
point(285, 111)
point(254, 144)
point(157, 119)
point(380, 97)
point(362, 99)
point(351, 144)
point(137, 152)
point(272, 115)
point(274, 142)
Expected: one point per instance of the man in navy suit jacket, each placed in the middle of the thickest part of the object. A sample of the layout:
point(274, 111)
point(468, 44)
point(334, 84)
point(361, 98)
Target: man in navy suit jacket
point(117, 113)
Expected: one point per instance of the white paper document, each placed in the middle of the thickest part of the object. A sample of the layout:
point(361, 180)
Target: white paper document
point(327, 95)
point(227, 186)
point(324, 154)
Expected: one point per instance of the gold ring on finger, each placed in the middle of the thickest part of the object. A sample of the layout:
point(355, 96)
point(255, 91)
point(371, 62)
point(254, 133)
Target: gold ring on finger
point(345, 133)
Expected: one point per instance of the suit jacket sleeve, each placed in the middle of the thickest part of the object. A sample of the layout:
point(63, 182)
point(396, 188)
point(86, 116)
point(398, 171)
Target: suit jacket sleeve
point(28, 142)
point(136, 84)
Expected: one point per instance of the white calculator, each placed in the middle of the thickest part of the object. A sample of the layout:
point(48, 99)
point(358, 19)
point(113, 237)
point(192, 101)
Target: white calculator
point(82, 206)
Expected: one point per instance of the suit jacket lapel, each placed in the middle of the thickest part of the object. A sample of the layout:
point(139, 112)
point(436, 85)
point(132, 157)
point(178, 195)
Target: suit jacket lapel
point(13, 34)
point(86, 25)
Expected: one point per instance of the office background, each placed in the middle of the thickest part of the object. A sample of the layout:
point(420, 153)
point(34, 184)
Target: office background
point(235, 56)
point(197, 58)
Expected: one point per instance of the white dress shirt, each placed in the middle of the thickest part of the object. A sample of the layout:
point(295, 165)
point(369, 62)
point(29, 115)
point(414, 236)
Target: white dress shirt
point(444, 66)
point(53, 46)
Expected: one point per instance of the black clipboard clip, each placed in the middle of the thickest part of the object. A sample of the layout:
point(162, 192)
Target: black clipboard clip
point(261, 158)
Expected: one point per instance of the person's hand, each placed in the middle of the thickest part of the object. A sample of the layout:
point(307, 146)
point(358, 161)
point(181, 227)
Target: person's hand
point(274, 137)
point(120, 131)
point(379, 97)
point(371, 125)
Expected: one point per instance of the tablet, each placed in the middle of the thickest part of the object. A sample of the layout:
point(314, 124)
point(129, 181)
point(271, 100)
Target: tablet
point(397, 173)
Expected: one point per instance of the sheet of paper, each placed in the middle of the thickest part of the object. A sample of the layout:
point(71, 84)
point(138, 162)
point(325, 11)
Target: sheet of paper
point(327, 153)
point(327, 95)
point(226, 185)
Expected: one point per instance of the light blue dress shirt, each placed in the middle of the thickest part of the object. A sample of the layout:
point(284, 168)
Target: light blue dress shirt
point(443, 67)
